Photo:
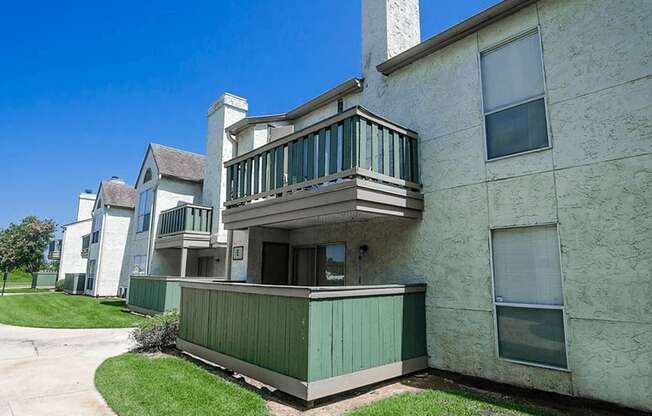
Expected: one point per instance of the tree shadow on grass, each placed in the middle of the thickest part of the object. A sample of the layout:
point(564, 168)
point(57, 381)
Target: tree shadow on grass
point(114, 303)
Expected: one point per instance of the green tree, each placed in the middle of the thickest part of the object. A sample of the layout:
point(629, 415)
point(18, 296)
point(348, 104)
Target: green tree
point(22, 245)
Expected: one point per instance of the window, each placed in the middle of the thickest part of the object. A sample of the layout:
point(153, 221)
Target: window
point(90, 275)
point(144, 210)
point(95, 236)
point(148, 176)
point(322, 265)
point(528, 295)
point(139, 266)
point(513, 97)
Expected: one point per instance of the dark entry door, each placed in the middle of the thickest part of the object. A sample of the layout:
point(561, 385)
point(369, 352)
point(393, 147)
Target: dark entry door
point(275, 263)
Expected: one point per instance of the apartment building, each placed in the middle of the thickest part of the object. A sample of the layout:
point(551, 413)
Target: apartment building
point(170, 232)
point(76, 238)
point(111, 221)
point(505, 163)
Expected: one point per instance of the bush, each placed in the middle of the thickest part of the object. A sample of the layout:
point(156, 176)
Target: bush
point(157, 332)
point(58, 286)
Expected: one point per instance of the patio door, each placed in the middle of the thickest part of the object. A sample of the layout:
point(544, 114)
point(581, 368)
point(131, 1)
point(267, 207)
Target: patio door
point(275, 263)
point(321, 265)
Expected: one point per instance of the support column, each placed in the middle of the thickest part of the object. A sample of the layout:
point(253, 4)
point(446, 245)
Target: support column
point(184, 261)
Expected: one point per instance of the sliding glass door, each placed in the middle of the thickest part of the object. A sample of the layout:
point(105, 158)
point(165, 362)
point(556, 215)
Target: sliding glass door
point(322, 265)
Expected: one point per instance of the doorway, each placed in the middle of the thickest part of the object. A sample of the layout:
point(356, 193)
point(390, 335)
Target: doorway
point(275, 263)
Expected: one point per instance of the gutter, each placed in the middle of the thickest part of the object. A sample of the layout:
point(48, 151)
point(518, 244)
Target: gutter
point(453, 34)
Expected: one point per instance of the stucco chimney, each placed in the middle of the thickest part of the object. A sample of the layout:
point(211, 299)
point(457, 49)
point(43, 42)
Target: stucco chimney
point(389, 27)
point(85, 205)
point(227, 110)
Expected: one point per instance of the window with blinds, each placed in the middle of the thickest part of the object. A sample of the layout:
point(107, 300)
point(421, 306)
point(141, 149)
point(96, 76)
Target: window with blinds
point(513, 97)
point(528, 295)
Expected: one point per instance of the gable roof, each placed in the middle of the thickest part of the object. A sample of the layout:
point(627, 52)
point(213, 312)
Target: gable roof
point(348, 87)
point(178, 164)
point(453, 34)
point(117, 194)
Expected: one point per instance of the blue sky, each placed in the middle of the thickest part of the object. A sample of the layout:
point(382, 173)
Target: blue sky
point(85, 86)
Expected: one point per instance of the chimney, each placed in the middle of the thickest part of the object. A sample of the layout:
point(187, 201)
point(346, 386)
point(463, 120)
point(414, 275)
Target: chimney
point(85, 205)
point(389, 27)
point(227, 110)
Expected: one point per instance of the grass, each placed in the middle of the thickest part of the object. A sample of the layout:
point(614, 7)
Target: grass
point(139, 385)
point(18, 276)
point(23, 290)
point(440, 403)
point(57, 310)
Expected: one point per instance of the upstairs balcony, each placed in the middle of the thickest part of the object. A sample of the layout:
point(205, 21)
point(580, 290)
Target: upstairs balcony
point(86, 243)
point(352, 166)
point(185, 226)
point(54, 250)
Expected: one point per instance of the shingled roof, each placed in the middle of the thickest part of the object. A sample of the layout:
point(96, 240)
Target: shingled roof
point(178, 164)
point(116, 193)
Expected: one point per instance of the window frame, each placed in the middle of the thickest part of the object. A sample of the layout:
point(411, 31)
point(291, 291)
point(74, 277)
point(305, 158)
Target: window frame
point(495, 304)
point(544, 95)
point(133, 265)
point(149, 192)
point(315, 246)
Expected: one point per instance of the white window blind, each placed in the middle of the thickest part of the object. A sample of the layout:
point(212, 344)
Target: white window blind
point(512, 73)
point(526, 265)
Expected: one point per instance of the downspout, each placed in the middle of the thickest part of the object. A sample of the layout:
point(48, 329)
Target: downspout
point(229, 233)
point(229, 251)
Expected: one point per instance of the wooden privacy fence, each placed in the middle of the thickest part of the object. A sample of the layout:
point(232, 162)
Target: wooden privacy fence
point(310, 342)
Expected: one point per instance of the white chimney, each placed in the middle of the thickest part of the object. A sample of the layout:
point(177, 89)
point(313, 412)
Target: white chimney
point(227, 110)
point(85, 206)
point(389, 27)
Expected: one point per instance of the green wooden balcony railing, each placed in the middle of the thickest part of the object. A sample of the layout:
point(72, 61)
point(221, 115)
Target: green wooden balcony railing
point(353, 143)
point(186, 218)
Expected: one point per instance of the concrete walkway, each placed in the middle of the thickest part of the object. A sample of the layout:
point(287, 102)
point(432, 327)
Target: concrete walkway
point(51, 371)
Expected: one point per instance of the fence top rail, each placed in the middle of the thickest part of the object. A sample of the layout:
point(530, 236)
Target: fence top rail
point(185, 206)
point(353, 111)
point(306, 292)
point(175, 278)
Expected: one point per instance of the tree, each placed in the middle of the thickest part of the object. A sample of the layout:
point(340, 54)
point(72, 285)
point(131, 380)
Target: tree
point(22, 245)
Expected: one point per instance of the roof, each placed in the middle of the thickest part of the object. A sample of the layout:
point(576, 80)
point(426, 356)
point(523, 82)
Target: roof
point(453, 34)
point(345, 88)
point(118, 194)
point(179, 164)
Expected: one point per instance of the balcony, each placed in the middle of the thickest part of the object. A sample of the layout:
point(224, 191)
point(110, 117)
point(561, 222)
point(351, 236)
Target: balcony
point(86, 243)
point(54, 250)
point(354, 165)
point(185, 226)
point(310, 342)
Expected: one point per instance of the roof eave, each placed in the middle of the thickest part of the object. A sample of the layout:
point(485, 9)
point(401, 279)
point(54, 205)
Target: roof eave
point(453, 34)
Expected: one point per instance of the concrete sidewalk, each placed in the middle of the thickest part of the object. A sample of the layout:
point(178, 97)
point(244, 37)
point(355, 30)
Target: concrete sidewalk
point(51, 371)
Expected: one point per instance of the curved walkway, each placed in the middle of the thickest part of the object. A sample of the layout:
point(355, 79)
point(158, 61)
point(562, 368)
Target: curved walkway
point(51, 371)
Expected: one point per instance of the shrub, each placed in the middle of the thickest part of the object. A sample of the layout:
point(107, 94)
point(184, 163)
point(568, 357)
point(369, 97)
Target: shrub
point(157, 332)
point(58, 286)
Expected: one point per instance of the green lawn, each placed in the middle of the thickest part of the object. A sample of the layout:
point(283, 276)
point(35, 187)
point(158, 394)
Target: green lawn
point(57, 310)
point(448, 403)
point(23, 290)
point(138, 385)
point(18, 276)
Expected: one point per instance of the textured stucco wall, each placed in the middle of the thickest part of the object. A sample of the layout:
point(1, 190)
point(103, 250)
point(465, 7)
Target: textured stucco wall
point(169, 194)
point(71, 259)
point(112, 260)
point(85, 205)
point(227, 110)
point(595, 182)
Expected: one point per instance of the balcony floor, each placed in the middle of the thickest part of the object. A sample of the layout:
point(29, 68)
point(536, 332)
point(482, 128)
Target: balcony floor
point(348, 200)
